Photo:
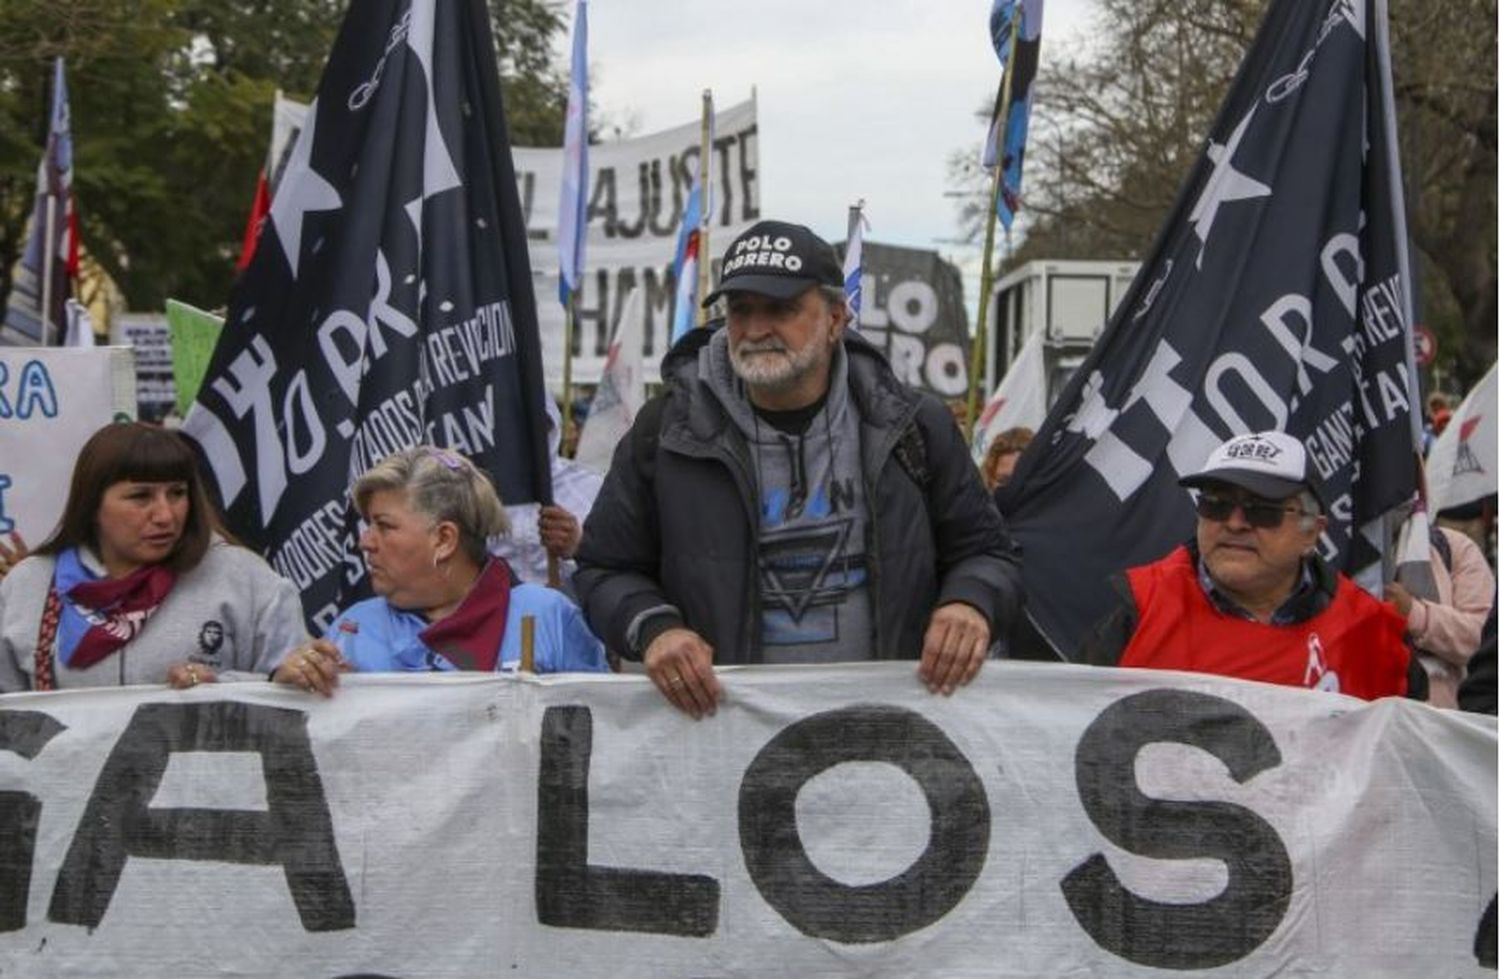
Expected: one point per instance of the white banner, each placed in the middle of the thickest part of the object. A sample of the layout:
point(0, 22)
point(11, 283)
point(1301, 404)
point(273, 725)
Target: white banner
point(1021, 398)
point(828, 821)
point(51, 400)
point(637, 189)
point(1461, 465)
point(150, 336)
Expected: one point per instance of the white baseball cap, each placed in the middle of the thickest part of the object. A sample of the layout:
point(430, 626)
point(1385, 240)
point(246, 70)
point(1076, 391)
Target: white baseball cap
point(1273, 465)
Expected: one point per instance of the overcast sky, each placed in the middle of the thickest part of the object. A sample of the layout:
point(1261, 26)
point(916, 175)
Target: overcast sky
point(856, 99)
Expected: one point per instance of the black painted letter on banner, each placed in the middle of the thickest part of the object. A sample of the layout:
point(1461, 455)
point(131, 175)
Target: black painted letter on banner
point(295, 831)
point(1484, 938)
point(572, 894)
point(815, 903)
point(25, 733)
point(1178, 936)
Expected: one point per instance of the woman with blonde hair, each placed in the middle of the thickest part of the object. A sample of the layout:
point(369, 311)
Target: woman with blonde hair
point(442, 602)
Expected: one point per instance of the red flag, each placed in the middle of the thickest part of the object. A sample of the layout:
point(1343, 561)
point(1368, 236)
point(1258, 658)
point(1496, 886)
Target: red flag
point(258, 211)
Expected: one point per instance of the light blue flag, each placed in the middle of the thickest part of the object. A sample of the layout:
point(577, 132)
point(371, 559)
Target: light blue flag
point(1023, 18)
point(854, 249)
point(685, 264)
point(572, 212)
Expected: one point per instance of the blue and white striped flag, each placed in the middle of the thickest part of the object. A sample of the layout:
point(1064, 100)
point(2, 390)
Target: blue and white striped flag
point(572, 212)
point(854, 261)
point(685, 263)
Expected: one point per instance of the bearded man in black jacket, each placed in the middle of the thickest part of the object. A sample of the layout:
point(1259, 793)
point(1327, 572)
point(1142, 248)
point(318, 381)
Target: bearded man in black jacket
point(787, 500)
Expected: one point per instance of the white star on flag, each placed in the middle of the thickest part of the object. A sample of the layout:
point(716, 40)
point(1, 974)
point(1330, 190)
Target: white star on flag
point(438, 171)
point(1224, 185)
point(302, 189)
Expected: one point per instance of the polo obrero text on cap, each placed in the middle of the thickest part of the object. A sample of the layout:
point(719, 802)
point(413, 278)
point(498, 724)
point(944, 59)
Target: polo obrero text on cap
point(777, 259)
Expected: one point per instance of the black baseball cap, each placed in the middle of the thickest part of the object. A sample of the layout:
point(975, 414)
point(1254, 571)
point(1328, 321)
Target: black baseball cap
point(777, 259)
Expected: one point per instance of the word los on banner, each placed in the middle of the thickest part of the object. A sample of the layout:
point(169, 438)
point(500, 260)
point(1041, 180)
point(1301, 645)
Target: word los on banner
point(296, 832)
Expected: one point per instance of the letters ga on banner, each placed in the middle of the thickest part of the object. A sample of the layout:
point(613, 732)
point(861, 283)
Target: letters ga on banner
point(1049, 819)
point(51, 400)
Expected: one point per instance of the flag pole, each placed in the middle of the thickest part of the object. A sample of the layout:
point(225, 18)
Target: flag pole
point(50, 256)
point(570, 326)
point(705, 219)
point(1389, 560)
point(986, 274)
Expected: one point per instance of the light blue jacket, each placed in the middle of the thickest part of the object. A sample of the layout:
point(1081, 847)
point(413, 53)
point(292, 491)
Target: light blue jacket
point(376, 637)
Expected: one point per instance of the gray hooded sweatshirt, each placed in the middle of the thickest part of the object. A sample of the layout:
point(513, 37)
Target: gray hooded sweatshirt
point(813, 519)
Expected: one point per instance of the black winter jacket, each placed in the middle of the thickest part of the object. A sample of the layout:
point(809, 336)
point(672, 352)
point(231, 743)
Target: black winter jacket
point(675, 522)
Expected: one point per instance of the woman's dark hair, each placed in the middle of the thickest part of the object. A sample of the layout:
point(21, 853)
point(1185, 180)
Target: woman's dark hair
point(141, 453)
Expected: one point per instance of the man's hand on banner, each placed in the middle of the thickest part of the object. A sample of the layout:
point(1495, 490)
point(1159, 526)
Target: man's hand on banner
point(184, 676)
point(681, 665)
point(954, 648)
point(559, 531)
point(314, 667)
point(12, 555)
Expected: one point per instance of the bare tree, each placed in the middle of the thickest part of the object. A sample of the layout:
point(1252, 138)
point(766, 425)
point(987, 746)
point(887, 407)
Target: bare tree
point(1117, 128)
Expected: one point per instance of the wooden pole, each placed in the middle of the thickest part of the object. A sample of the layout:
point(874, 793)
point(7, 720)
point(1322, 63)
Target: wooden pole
point(528, 644)
point(705, 219)
point(49, 258)
point(986, 273)
point(570, 327)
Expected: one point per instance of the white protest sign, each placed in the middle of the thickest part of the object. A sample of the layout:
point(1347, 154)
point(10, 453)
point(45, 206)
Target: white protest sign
point(1461, 466)
point(637, 190)
point(51, 400)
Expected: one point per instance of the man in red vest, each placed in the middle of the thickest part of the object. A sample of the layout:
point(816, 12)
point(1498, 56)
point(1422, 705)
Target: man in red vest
point(1249, 596)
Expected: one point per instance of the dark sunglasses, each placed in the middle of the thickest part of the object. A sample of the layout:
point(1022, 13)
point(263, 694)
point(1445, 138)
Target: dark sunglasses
point(1259, 513)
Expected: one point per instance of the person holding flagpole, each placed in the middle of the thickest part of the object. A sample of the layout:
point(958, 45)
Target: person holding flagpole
point(442, 602)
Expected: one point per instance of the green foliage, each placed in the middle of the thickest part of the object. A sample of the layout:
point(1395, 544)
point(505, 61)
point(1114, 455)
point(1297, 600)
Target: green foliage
point(171, 103)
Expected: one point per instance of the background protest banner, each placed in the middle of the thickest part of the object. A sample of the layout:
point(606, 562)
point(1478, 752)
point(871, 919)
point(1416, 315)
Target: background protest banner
point(1276, 297)
point(912, 310)
point(637, 191)
point(51, 400)
point(151, 338)
point(1461, 466)
point(389, 301)
point(1047, 820)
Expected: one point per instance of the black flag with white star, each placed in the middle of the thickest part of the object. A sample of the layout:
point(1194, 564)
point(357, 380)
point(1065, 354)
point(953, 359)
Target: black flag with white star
point(1275, 298)
point(389, 303)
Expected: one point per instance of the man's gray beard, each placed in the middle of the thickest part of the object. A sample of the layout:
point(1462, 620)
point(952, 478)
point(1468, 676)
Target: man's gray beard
point(777, 372)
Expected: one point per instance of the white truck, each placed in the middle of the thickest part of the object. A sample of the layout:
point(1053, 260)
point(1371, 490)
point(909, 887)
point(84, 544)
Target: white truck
point(1068, 301)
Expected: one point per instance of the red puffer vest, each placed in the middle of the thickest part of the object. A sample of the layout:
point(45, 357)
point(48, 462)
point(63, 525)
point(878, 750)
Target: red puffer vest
point(1354, 646)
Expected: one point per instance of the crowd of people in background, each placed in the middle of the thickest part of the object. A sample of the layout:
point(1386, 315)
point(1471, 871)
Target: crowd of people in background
point(783, 499)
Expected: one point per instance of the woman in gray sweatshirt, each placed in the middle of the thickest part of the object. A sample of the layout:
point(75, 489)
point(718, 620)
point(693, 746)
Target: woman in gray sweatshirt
point(136, 586)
